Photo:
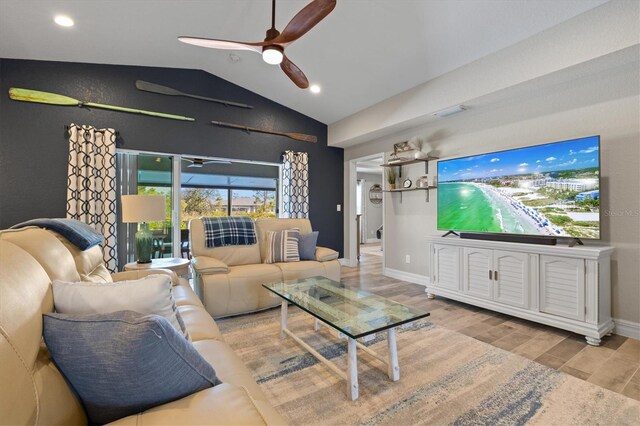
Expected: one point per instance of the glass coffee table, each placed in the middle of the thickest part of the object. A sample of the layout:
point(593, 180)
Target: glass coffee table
point(354, 313)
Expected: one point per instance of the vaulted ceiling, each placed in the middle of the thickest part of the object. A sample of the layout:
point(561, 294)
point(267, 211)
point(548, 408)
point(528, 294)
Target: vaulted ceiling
point(361, 54)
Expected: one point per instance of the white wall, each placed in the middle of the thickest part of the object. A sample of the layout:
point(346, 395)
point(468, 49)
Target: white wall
point(373, 211)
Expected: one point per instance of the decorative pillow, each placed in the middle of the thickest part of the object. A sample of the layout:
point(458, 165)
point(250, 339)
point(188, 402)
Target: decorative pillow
point(282, 246)
point(152, 294)
point(307, 245)
point(123, 363)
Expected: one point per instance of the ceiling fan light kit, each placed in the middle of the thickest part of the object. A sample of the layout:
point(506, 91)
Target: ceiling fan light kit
point(273, 54)
point(273, 46)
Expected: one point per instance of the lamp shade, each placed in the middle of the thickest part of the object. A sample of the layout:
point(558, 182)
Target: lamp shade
point(143, 208)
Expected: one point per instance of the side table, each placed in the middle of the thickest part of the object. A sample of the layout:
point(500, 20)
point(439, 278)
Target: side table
point(179, 265)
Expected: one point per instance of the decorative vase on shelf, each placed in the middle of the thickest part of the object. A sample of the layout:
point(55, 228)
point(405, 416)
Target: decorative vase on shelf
point(392, 186)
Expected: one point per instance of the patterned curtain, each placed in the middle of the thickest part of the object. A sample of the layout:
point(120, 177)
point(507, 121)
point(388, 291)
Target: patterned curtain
point(295, 184)
point(91, 184)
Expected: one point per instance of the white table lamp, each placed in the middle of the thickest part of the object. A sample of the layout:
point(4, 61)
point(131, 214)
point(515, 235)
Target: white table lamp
point(143, 209)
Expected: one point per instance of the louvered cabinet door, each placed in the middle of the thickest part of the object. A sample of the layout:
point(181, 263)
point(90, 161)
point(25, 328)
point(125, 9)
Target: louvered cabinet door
point(562, 286)
point(477, 271)
point(511, 278)
point(446, 263)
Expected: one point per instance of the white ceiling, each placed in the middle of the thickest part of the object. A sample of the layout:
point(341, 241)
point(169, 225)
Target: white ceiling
point(362, 53)
point(371, 166)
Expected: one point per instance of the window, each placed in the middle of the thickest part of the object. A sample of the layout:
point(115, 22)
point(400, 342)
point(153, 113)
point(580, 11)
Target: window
point(193, 187)
point(253, 203)
point(224, 188)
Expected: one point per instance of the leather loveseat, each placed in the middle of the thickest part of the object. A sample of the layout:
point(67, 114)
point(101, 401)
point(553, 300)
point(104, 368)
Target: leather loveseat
point(34, 392)
point(229, 279)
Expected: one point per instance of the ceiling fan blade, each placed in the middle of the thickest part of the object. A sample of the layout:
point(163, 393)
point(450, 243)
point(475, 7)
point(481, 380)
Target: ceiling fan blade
point(306, 19)
point(294, 73)
point(223, 44)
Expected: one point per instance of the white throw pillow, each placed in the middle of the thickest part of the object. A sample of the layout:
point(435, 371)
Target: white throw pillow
point(152, 294)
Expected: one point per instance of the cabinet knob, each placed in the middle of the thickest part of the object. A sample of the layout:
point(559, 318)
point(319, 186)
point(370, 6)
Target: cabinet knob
point(490, 274)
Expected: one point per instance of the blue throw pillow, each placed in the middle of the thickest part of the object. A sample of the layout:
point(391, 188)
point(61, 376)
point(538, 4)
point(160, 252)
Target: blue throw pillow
point(307, 245)
point(124, 362)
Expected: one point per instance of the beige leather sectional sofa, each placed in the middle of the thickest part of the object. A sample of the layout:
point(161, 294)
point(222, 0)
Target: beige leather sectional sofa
point(229, 279)
point(34, 392)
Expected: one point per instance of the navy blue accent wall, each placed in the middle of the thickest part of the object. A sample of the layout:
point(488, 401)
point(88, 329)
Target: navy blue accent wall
point(33, 142)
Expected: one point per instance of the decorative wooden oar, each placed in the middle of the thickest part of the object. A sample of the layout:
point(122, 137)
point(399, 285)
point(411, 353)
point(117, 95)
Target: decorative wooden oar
point(163, 90)
point(296, 136)
point(28, 95)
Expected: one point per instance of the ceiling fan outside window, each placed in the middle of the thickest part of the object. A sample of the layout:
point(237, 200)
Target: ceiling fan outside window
point(273, 46)
point(200, 162)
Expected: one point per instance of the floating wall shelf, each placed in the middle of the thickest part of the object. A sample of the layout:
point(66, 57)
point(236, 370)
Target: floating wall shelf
point(401, 190)
point(406, 163)
point(411, 161)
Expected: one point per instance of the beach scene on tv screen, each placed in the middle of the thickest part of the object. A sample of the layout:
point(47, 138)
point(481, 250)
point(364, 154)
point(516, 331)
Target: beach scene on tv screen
point(551, 190)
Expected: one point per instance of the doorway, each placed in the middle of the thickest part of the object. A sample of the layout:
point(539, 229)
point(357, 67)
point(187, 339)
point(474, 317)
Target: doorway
point(366, 211)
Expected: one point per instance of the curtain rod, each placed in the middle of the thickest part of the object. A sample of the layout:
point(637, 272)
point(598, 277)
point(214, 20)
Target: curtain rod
point(67, 128)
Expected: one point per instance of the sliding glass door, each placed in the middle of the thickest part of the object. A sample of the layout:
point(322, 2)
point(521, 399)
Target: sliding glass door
point(147, 174)
point(193, 188)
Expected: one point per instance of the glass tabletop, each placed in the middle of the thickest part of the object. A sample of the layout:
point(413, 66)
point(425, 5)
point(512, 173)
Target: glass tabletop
point(354, 312)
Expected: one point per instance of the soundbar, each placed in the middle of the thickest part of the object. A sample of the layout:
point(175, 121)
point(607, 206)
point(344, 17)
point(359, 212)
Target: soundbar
point(511, 238)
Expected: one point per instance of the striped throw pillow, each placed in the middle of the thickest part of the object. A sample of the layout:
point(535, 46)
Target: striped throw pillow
point(282, 246)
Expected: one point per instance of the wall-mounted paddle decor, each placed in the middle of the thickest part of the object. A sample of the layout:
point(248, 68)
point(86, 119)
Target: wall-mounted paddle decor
point(27, 95)
point(163, 90)
point(296, 136)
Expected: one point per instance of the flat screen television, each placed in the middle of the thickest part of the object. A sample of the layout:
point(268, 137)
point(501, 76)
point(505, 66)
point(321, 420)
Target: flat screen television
point(543, 190)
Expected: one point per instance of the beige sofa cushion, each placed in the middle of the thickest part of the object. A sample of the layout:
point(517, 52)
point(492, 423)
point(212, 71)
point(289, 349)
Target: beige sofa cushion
point(199, 324)
point(265, 225)
point(324, 254)
point(225, 404)
point(50, 253)
point(184, 295)
point(209, 265)
point(230, 255)
point(89, 263)
point(302, 269)
point(240, 290)
point(229, 367)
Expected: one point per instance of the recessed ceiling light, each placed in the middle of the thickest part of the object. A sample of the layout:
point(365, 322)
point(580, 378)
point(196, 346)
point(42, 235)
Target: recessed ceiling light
point(314, 88)
point(63, 21)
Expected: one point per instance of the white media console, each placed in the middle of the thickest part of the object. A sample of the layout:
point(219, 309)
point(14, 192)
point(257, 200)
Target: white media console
point(564, 287)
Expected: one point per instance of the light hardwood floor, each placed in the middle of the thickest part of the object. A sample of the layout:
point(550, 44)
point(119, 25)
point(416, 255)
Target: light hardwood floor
point(614, 365)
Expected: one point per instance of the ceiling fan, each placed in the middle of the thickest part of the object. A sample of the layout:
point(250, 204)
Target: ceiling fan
point(272, 48)
point(199, 162)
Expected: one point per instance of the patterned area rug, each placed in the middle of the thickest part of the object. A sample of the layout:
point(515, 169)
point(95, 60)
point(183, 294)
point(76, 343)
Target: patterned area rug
point(445, 378)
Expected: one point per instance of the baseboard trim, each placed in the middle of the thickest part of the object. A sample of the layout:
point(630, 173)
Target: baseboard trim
point(406, 276)
point(627, 328)
point(346, 262)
